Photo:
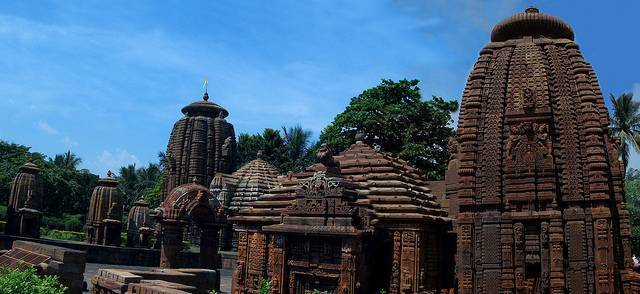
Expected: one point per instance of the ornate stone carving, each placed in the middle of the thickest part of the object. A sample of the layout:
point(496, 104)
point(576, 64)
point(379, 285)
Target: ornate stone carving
point(537, 169)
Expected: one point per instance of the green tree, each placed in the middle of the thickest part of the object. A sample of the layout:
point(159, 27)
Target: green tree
point(632, 192)
point(67, 160)
point(297, 148)
point(288, 153)
point(394, 117)
point(136, 183)
point(625, 124)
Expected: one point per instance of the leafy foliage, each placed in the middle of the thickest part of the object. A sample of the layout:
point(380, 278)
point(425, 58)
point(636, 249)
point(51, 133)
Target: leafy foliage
point(632, 191)
point(68, 222)
point(67, 189)
point(264, 285)
point(136, 183)
point(289, 153)
point(62, 235)
point(393, 116)
point(28, 282)
point(625, 124)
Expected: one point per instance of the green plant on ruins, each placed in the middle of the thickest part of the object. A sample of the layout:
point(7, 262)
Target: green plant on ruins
point(263, 286)
point(28, 282)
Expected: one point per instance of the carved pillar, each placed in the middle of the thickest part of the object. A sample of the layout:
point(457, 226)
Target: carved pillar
point(171, 242)
point(407, 273)
point(239, 274)
point(394, 284)
point(257, 259)
point(556, 254)
point(507, 237)
point(603, 251)
point(348, 271)
point(465, 255)
point(276, 264)
point(209, 247)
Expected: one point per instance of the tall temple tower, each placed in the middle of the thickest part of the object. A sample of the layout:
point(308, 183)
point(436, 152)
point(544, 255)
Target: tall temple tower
point(539, 185)
point(202, 143)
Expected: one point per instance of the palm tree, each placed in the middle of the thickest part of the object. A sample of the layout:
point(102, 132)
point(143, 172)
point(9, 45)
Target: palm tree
point(67, 160)
point(625, 124)
point(296, 140)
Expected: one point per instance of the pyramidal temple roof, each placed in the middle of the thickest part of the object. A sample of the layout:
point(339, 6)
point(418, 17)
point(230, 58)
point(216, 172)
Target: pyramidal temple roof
point(390, 187)
point(252, 180)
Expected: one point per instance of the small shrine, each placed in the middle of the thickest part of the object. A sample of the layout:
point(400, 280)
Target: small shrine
point(239, 190)
point(140, 225)
point(319, 229)
point(25, 202)
point(104, 219)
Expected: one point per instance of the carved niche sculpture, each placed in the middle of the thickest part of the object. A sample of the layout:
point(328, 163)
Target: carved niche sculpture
point(25, 202)
point(539, 185)
point(104, 219)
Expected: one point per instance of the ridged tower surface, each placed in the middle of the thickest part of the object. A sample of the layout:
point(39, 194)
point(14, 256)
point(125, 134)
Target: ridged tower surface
point(137, 218)
point(539, 184)
point(201, 144)
point(102, 199)
point(26, 184)
point(252, 180)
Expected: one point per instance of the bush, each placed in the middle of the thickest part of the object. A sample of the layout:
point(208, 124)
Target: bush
point(68, 222)
point(61, 235)
point(28, 282)
point(3, 212)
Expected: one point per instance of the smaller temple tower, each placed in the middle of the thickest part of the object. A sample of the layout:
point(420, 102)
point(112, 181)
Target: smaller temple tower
point(202, 143)
point(25, 202)
point(239, 190)
point(139, 225)
point(104, 220)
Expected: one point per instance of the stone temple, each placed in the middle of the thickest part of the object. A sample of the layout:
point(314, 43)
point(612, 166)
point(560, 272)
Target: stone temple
point(357, 222)
point(539, 185)
point(25, 202)
point(104, 219)
point(201, 144)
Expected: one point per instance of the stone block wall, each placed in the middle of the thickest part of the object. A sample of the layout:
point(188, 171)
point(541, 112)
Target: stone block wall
point(67, 264)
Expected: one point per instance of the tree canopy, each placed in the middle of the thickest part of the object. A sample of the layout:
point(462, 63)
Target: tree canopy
point(394, 117)
point(291, 152)
point(625, 124)
point(66, 189)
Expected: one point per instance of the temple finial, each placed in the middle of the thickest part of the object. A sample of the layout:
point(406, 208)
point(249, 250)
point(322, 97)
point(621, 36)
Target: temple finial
point(109, 174)
point(360, 136)
point(205, 85)
point(532, 9)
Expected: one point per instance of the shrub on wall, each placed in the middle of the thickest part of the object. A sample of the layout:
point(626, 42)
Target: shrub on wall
point(28, 282)
point(61, 235)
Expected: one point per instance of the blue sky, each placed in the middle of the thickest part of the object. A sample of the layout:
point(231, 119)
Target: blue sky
point(107, 79)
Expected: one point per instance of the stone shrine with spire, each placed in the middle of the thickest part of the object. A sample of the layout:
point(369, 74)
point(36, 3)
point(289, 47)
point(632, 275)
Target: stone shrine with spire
point(25, 202)
point(538, 184)
point(239, 190)
point(202, 143)
point(104, 219)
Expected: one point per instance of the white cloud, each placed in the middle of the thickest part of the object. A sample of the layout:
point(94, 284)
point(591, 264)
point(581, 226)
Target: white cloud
point(636, 91)
point(112, 161)
point(45, 127)
point(68, 142)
